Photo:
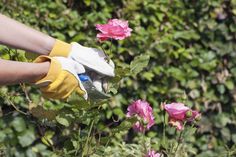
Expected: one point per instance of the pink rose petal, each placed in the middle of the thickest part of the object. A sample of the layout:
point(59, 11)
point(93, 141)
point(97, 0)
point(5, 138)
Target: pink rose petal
point(176, 110)
point(114, 29)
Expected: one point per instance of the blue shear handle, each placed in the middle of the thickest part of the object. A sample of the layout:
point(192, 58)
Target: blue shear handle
point(83, 77)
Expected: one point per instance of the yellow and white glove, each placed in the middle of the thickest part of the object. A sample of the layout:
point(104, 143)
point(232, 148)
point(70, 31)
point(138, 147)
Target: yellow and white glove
point(90, 58)
point(62, 78)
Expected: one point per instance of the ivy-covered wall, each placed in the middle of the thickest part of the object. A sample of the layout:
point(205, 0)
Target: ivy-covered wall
point(192, 49)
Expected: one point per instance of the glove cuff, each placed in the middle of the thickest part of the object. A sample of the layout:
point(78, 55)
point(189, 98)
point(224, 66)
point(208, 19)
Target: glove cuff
point(60, 48)
point(54, 70)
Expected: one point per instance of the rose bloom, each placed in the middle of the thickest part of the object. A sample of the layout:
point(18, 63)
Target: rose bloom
point(176, 111)
point(143, 110)
point(114, 29)
point(152, 153)
point(177, 114)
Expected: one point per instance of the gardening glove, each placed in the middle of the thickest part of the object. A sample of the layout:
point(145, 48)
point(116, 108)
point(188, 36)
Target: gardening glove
point(93, 59)
point(62, 78)
point(100, 82)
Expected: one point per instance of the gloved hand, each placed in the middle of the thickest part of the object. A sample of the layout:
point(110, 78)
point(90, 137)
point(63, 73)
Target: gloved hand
point(91, 58)
point(62, 78)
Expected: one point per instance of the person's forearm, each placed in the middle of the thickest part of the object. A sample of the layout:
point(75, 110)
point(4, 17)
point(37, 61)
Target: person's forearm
point(17, 35)
point(13, 72)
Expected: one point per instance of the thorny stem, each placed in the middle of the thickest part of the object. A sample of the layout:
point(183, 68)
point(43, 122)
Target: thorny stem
point(23, 84)
point(109, 50)
point(77, 149)
point(143, 142)
point(13, 105)
point(179, 139)
point(108, 141)
point(26, 93)
point(164, 126)
point(180, 136)
point(87, 140)
point(110, 47)
point(143, 138)
point(112, 134)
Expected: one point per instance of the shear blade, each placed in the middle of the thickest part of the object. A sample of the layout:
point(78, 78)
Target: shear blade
point(92, 91)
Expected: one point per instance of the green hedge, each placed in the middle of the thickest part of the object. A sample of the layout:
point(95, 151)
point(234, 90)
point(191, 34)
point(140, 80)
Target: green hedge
point(192, 49)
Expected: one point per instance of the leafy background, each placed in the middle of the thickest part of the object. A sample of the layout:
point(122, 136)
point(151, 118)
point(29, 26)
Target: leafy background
point(190, 46)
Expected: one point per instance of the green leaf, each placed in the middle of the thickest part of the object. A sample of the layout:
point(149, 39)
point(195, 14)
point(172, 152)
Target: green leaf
point(234, 138)
point(208, 65)
point(189, 132)
point(176, 73)
point(148, 75)
point(119, 112)
point(62, 121)
point(2, 136)
point(19, 124)
point(229, 84)
point(122, 71)
point(75, 144)
point(221, 120)
point(221, 88)
point(87, 2)
point(125, 125)
point(26, 138)
point(39, 148)
point(186, 35)
point(194, 94)
point(226, 134)
point(47, 138)
point(30, 153)
point(138, 64)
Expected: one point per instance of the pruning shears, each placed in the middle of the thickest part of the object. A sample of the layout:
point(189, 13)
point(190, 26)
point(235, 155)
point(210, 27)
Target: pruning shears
point(93, 92)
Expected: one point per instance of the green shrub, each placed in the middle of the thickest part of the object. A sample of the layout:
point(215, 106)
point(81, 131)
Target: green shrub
point(192, 48)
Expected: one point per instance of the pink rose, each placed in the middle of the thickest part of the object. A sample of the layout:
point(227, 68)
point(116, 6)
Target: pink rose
point(152, 153)
point(115, 29)
point(178, 114)
point(143, 110)
point(176, 111)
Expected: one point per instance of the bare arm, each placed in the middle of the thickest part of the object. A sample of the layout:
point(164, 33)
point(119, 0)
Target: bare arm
point(13, 72)
point(17, 35)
